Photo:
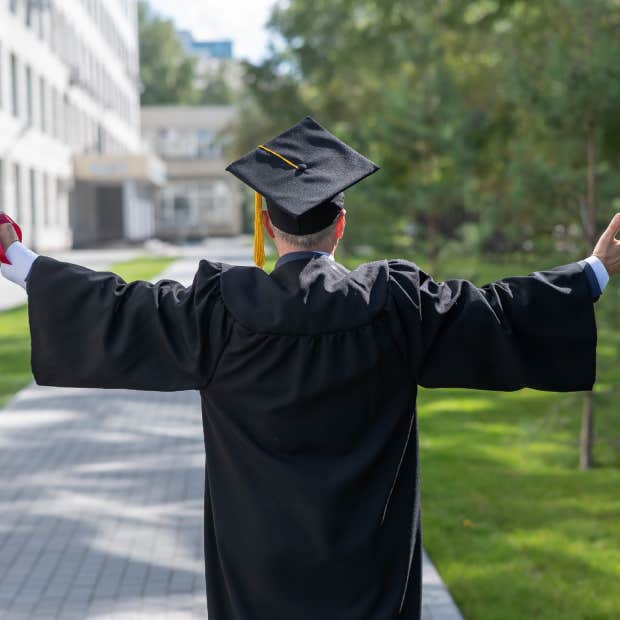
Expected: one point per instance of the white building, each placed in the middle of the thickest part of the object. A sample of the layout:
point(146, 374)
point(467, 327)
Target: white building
point(200, 198)
point(70, 122)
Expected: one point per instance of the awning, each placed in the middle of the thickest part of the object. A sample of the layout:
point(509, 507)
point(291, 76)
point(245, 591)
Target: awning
point(96, 168)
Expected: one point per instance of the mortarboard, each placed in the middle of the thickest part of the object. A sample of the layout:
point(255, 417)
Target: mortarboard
point(302, 173)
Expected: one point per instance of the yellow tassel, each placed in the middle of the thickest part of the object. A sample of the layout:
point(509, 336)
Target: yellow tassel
point(259, 241)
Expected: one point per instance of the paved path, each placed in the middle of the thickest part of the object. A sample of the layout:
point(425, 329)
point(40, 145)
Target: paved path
point(101, 497)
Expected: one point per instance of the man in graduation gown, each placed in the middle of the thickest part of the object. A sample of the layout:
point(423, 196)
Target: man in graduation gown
point(308, 378)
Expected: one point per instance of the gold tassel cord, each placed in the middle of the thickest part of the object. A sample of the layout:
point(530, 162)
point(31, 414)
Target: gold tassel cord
point(259, 241)
point(286, 161)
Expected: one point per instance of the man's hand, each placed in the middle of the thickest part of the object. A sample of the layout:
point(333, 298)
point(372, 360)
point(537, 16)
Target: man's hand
point(607, 249)
point(7, 235)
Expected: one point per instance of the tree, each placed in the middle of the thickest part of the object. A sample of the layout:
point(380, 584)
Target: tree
point(217, 88)
point(166, 72)
point(498, 114)
point(566, 77)
point(352, 64)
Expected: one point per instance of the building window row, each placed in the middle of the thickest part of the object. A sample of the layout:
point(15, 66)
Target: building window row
point(53, 113)
point(38, 15)
point(105, 24)
point(198, 143)
point(87, 71)
point(44, 199)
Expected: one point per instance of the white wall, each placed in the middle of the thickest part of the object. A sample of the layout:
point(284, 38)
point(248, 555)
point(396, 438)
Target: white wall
point(95, 40)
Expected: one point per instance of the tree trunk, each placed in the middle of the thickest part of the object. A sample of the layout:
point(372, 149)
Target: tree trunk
point(587, 432)
point(587, 417)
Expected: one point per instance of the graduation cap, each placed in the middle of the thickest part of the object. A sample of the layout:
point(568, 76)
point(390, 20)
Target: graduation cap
point(302, 173)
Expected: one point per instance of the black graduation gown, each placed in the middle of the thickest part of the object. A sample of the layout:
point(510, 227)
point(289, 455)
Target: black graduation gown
point(308, 378)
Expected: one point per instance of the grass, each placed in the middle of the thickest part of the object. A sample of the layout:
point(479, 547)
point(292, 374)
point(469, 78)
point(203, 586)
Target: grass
point(144, 268)
point(15, 337)
point(514, 528)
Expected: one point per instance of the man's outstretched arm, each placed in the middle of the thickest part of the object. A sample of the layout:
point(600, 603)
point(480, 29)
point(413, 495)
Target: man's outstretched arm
point(93, 329)
point(534, 331)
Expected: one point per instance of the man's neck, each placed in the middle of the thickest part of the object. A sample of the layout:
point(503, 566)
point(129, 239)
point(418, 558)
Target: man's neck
point(305, 251)
point(302, 255)
point(289, 249)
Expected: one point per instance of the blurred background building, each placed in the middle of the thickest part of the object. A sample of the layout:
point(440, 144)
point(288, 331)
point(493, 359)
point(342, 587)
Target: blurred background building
point(208, 50)
point(72, 167)
point(214, 60)
point(200, 198)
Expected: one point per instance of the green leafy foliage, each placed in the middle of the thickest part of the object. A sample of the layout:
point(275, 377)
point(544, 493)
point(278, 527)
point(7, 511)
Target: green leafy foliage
point(476, 111)
point(166, 72)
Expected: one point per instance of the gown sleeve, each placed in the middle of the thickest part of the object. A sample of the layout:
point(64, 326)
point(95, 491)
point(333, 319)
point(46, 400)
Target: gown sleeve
point(536, 331)
point(92, 329)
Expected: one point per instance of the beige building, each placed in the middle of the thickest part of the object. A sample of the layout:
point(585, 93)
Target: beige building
point(70, 123)
point(200, 198)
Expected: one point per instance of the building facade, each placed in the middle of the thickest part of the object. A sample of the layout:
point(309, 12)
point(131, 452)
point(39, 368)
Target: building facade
point(209, 50)
point(69, 90)
point(200, 198)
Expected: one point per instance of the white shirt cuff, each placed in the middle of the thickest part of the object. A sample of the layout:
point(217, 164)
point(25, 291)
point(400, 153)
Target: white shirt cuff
point(599, 271)
point(21, 262)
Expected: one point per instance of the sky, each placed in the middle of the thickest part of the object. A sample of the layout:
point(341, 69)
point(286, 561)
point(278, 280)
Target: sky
point(240, 20)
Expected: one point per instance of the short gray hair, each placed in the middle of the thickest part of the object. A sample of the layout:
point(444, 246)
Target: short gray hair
point(306, 241)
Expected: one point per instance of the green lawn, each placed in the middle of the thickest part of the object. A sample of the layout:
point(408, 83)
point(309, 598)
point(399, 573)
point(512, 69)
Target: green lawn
point(15, 338)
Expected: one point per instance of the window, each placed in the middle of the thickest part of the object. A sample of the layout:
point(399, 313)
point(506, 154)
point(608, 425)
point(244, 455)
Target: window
point(28, 14)
point(53, 25)
point(29, 95)
point(46, 199)
point(100, 139)
point(1, 74)
point(53, 106)
point(33, 200)
point(42, 109)
point(60, 202)
point(66, 123)
point(14, 87)
point(60, 117)
point(206, 145)
point(17, 184)
point(41, 24)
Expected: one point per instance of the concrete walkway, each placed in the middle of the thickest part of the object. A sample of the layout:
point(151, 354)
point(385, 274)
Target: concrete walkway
point(101, 497)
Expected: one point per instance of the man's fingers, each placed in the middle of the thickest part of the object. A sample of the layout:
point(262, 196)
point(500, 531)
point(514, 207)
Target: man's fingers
point(7, 229)
point(612, 230)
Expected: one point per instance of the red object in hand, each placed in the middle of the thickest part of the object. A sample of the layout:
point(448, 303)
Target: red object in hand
point(5, 219)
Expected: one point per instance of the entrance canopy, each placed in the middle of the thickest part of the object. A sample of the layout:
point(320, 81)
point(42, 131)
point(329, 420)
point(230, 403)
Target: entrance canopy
point(103, 169)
